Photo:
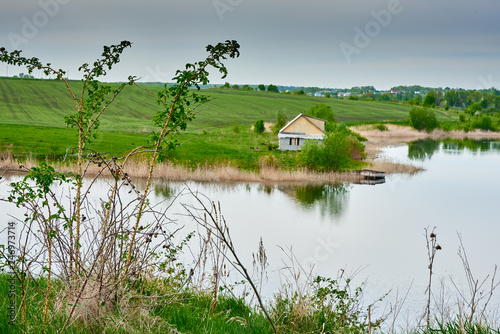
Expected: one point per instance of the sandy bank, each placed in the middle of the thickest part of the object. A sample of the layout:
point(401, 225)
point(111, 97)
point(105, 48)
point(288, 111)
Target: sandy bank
point(398, 134)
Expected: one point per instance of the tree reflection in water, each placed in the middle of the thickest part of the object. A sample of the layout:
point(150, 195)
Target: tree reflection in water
point(422, 149)
point(331, 200)
point(425, 149)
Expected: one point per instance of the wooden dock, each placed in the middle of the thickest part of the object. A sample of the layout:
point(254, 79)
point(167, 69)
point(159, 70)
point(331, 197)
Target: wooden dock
point(372, 174)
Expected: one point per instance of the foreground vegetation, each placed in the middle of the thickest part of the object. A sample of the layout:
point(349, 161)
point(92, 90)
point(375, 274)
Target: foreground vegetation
point(168, 305)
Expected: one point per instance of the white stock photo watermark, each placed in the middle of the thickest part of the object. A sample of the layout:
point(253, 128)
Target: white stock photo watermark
point(156, 75)
point(322, 252)
point(487, 83)
point(372, 29)
point(224, 6)
point(31, 25)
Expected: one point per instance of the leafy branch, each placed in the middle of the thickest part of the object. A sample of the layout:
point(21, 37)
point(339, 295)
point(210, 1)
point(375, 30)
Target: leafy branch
point(175, 112)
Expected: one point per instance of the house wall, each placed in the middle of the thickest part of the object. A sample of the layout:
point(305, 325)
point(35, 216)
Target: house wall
point(302, 125)
point(284, 144)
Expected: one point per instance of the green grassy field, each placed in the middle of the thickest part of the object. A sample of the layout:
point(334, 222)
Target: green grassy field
point(46, 102)
point(32, 120)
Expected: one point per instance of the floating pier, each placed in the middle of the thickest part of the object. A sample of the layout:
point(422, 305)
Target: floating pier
point(372, 174)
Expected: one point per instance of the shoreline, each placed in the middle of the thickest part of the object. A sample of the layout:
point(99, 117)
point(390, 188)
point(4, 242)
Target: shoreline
point(396, 135)
point(399, 134)
point(227, 174)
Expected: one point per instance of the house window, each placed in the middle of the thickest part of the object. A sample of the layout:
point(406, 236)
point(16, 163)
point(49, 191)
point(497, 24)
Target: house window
point(294, 141)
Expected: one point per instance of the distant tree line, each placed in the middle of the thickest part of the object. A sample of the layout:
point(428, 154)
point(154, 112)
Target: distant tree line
point(261, 87)
point(486, 100)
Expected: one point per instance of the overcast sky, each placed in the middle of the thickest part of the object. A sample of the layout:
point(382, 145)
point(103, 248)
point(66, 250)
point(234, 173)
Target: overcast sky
point(337, 44)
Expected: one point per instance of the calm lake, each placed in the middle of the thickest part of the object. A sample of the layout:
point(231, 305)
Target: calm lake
point(377, 232)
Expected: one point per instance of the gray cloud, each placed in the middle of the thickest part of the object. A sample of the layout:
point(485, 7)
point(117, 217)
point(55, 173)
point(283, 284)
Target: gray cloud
point(284, 42)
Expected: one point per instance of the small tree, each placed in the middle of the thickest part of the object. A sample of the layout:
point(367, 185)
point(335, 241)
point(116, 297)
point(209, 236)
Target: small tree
point(272, 88)
point(324, 112)
point(430, 100)
point(423, 119)
point(262, 87)
point(259, 127)
point(281, 121)
point(475, 107)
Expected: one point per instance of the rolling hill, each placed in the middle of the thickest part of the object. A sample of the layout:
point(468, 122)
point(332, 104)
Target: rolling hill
point(46, 102)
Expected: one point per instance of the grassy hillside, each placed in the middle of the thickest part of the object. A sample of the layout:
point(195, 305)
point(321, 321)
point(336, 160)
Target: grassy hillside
point(46, 102)
point(32, 121)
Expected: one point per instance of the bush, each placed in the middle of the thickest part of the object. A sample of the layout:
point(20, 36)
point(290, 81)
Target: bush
point(336, 153)
point(474, 107)
point(269, 160)
point(332, 306)
point(483, 123)
point(259, 127)
point(381, 127)
point(423, 119)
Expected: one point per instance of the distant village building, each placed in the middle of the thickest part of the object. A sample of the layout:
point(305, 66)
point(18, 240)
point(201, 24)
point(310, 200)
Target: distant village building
point(300, 129)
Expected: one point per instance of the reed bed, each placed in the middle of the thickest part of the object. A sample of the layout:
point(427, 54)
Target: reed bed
point(403, 134)
point(227, 173)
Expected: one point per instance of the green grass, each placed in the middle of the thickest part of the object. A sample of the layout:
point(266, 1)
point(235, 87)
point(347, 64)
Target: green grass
point(230, 315)
point(223, 146)
point(192, 313)
point(40, 142)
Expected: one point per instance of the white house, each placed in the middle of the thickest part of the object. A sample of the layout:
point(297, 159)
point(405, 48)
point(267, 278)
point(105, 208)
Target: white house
point(300, 129)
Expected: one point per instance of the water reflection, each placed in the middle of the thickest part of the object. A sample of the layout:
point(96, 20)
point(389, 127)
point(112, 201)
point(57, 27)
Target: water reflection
point(331, 200)
point(165, 190)
point(425, 149)
point(422, 149)
point(477, 146)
